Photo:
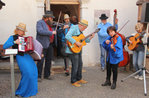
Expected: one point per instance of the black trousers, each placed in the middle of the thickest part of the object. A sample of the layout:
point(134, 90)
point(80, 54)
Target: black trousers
point(112, 68)
point(48, 55)
point(65, 56)
point(76, 70)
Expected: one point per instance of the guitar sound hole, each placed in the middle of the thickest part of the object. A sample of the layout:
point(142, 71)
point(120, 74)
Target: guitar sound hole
point(135, 39)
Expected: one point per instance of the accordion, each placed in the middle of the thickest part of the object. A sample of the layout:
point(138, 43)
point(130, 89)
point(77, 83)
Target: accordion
point(26, 44)
point(31, 46)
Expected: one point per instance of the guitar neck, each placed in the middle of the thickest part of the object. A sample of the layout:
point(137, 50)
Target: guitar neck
point(87, 36)
point(97, 30)
point(141, 34)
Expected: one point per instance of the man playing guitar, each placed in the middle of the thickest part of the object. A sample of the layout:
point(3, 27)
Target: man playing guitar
point(76, 58)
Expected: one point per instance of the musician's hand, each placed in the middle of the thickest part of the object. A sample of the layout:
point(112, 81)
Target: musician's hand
point(17, 41)
point(92, 36)
point(66, 26)
point(112, 46)
point(78, 44)
point(107, 42)
point(130, 42)
point(54, 32)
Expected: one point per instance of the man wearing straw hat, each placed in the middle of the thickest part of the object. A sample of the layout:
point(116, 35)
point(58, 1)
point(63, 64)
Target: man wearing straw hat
point(64, 30)
point(76, 58)
point(44, 33)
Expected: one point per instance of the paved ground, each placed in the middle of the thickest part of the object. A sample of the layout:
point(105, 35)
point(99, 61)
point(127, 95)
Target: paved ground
point(60, 87)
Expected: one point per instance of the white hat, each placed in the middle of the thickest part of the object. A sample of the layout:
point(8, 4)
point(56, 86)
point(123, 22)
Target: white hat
point(66, 16)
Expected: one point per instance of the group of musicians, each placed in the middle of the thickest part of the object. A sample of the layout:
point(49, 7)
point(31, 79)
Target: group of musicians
point(111, 47)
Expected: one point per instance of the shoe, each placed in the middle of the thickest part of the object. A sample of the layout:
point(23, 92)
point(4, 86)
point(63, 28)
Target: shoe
point(39, 80)
point(107, 83)
point(76, 84)
point(141, 78)
point(52, 62)
point(82, 81)
point(48, 78)
point(18, 96)
point(67, 72)
point(113, 86)
point(136, 77)
point(102, 69)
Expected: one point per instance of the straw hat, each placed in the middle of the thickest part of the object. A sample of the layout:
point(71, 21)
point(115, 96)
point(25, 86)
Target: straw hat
point(84, 22)
point(66, 16)
point(139, 26)
point(22, 27)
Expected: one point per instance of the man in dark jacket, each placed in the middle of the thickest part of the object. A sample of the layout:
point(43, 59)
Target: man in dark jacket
point(45, 35)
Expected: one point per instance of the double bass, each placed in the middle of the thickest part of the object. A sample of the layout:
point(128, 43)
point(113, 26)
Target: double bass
point(125, 53)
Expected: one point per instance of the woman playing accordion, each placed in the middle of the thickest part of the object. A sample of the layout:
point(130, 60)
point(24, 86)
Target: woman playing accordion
point(28, 85)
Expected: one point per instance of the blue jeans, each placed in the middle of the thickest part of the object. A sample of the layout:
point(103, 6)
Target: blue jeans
point(138, 59)
point(102, 56)
point(76, 70)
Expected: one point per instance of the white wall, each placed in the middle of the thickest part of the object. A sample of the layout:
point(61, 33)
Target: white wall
point(14, 12)
point(29, 11)
point(127, 10)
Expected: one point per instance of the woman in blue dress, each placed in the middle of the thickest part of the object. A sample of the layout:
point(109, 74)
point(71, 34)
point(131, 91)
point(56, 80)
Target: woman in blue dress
point(29, 81)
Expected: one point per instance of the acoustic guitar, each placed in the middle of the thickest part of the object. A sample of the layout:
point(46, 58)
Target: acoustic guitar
point(81, 38)
point(134, 41)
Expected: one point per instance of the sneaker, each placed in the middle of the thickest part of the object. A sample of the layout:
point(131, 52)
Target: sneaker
point(140, 78)
point(52, 62)
point(82, 81)
point(67, 72)
point(106, 83)
point(48, 78)
point(136, 77)
point(39, 80)
point(76, 84)
point(102, 69)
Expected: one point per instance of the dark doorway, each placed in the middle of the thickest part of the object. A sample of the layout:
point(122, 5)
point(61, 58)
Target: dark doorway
point(71, 10)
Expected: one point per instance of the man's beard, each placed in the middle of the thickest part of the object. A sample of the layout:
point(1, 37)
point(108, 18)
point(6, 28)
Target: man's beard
point(50, 23)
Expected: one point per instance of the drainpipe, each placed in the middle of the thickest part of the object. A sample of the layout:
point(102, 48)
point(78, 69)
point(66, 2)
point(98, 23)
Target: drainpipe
point(80, 1)
point(47, 5)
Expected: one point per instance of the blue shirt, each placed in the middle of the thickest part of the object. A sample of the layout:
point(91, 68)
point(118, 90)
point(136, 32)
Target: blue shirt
point(73, 31)
point(63, 33)
point(114, 57)
point(8, 43)
point(102, 34)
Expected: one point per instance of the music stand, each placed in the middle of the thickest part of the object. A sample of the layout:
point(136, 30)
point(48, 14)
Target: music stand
point(142, 69)
point(12, 52)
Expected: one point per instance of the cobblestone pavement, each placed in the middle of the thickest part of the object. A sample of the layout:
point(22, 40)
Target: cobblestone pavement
point(60, 86)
